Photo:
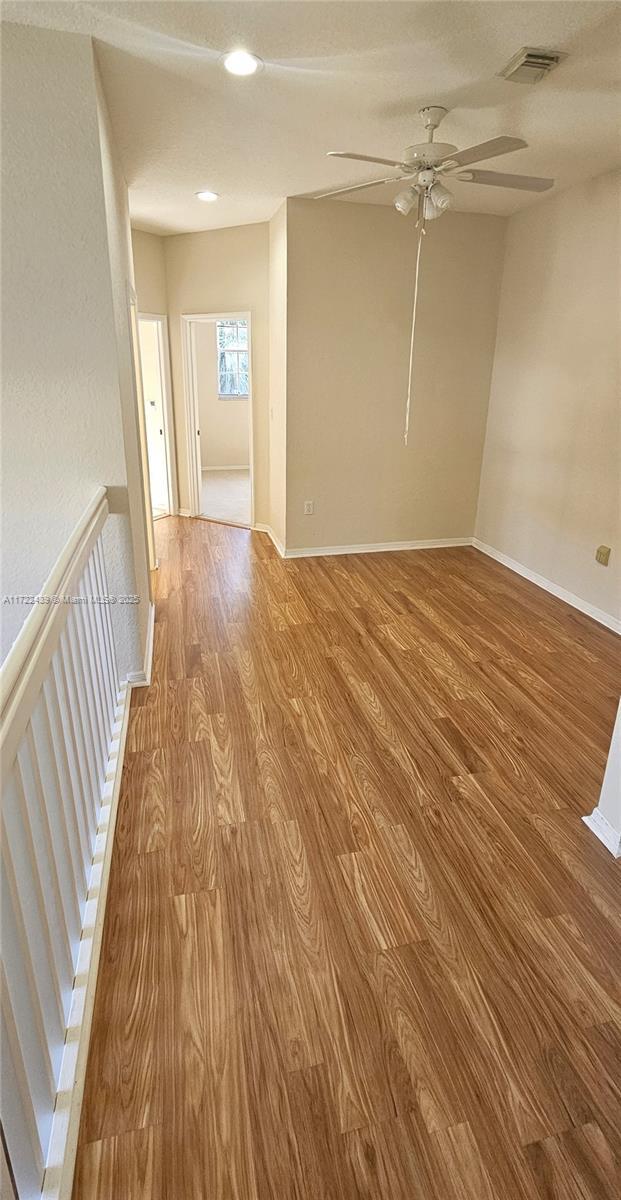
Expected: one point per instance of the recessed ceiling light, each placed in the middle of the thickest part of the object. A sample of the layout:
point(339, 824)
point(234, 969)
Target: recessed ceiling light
point(208, 197)
point(240, 62)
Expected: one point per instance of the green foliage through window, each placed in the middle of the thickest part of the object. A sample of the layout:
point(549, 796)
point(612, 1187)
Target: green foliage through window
point(232, 339)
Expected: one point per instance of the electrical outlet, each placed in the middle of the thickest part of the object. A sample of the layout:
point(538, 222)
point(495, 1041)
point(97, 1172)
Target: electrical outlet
point(602, 555)
point(309, 508)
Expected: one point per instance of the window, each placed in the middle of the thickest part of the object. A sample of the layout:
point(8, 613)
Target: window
point(232, 339)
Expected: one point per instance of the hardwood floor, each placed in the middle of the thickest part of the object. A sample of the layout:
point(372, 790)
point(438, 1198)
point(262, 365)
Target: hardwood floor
point(359, 943)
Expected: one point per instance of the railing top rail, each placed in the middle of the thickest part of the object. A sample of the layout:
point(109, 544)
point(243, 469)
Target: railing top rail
point(31, 637)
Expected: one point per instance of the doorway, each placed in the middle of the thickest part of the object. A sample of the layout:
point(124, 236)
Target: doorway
point(141, 431)
point(218, 383)
point(153, 341)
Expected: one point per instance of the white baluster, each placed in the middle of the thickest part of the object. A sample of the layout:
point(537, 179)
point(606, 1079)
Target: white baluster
point(87, 666)
point(58, 738)
point(47, 866)
point(30, 936)
point(59, 817)
point(80, 707)
point(104, 591)
point(92, 585)
point(20, 836)
point(75, 756)
point(60, 689)
point(14, 1065)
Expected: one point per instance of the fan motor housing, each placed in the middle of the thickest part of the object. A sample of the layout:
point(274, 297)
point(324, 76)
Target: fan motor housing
point(428, 154)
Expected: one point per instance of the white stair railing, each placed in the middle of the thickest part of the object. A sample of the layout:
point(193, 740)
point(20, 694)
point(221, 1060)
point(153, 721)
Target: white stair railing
point(61, 738)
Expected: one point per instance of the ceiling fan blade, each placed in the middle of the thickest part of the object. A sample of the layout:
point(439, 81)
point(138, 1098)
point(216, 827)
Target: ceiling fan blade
point(386, 162)
point(524, 183)
point(357, 187)
point(499, 145)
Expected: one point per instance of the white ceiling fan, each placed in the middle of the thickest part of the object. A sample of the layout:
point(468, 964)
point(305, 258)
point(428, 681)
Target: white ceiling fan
point(428, 162)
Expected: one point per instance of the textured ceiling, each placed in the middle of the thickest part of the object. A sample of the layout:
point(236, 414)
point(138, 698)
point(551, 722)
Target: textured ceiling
point(340, 75)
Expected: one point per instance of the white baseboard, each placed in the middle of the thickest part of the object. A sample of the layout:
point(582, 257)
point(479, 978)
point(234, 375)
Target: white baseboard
point(58, 1180)
point(561, 593)
point(238, 467)
point(270, 533)
point(374, 547)
point(184, 512)
point(143, 678)
point(598, 614)
point(601, 827)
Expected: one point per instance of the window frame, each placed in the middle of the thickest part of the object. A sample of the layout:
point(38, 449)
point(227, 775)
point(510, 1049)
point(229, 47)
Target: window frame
point(237, 350)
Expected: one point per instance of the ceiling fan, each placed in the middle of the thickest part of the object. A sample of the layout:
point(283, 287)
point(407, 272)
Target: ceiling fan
point(428, 162)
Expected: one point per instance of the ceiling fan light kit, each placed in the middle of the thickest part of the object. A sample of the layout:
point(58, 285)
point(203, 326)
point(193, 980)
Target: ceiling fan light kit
point(440, 196)
point(425, 165)
point(423, 161)
point(405, 201)
point(430, 212)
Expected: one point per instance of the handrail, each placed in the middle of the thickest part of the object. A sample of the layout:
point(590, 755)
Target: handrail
point(64, 717)
point(29, 638)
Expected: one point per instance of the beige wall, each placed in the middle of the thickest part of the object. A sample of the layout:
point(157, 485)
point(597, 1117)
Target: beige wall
point(149, 272)
point(223, 423)
point(62, 431)
point(278, 373)
point(350, 276)
point(550, 488)
point(132, 416)
point(223, 270)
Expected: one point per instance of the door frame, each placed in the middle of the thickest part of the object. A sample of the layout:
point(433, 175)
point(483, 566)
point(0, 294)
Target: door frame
point(189, 321)
point(143, 457)
point(161, 320)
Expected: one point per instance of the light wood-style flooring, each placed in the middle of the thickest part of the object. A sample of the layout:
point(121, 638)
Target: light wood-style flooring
point(359, 944)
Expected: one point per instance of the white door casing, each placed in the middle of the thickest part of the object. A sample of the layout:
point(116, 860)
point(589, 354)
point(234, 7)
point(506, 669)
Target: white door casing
point(189, 322)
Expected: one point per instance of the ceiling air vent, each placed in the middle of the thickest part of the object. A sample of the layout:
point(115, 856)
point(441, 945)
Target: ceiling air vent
point(530, 65)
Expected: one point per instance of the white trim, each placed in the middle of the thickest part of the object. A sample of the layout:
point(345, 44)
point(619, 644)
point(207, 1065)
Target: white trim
point(184, 512)
point(601, 827)
point(373, 547)
point(143, 678)
point(58, 1180)
point(216, 316)
point(169, 419)
point(190, 395)
point(270, 533)
point(605, 820)
point(238, 467)
point(598, 614)
point(561, 593)
point(143, 455)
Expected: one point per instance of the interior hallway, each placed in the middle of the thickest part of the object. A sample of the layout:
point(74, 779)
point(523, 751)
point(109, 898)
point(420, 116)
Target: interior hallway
point(358, 942)
point(225, 495)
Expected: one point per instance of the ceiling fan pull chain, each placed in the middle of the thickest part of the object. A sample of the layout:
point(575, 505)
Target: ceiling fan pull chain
point(420, 225)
